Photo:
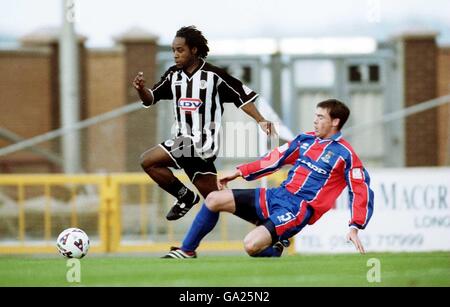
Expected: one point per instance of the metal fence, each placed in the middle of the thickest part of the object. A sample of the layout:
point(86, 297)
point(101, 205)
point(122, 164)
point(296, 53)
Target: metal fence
point(120, 212)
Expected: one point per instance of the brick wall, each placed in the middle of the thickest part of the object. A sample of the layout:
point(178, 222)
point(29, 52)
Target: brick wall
point(30, 102)
point(105, 92)
point(420, 84)
point(140, 50)
point(444, 111)
point(49, 38)
point(25, 101)
point(25, 92)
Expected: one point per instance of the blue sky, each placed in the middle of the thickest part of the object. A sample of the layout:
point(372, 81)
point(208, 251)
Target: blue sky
point(101, 20)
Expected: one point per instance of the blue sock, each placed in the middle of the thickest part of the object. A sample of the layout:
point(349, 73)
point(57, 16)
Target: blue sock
point(203, 223)
point(269, 252)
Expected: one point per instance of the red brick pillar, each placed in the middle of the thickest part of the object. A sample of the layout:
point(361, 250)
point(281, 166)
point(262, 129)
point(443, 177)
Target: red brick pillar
point(49, 38)
point(140, 51)
point(420, 84)
point(444, 111)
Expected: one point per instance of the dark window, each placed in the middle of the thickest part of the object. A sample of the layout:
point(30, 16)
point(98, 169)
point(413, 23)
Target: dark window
point(247, 77)
point(354, 74)
point(374, 73)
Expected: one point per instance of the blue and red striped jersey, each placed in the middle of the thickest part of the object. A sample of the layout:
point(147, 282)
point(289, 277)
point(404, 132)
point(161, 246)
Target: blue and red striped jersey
point(322, 168)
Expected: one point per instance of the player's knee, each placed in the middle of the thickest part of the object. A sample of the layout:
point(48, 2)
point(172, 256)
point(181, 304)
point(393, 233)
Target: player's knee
point(213, 201)
point(250, 246)
point(145, 162)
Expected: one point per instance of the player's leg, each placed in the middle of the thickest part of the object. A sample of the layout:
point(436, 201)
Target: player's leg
point(156, 163)
point(282, 224)
point(251, 205)
point(259, 240)
point(262, 242)
point(278, 211)
point(205, 183)
point(203, 175)
point(205, 221)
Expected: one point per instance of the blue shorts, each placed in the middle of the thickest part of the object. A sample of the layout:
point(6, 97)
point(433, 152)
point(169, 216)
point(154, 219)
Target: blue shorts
point(281, 212)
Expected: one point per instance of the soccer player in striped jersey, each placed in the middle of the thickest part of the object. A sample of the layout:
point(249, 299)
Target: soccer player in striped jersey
point(324, 163)
point(198, 91)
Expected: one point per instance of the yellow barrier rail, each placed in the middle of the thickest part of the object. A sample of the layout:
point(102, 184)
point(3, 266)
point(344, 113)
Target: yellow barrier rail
point(119, 180)
point(108, 202)
point(47, 182)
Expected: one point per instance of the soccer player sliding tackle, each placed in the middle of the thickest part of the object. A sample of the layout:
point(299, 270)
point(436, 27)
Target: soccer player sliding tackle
point(323, 164)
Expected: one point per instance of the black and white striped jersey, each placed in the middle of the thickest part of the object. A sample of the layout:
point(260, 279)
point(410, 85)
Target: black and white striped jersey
point(198, 102)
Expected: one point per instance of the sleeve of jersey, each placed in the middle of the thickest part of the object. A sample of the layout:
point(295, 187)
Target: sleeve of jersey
point(270, 163)
point(360, 193)
point(232, 90)
point(163, 89)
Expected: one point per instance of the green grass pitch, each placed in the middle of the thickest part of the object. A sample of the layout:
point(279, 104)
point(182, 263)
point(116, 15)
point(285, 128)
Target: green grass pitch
point(396, 269)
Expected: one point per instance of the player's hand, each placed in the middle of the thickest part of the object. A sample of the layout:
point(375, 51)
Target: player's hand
point(268, 127)
point(222, 182)
point(139, 81)
point(353, 237)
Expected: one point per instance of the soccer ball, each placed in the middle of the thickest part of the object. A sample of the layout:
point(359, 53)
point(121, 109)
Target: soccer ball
point(73, 243)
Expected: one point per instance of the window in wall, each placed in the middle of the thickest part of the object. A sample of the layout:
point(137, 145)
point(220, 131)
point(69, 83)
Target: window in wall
point(364, 73)
point(374, 73)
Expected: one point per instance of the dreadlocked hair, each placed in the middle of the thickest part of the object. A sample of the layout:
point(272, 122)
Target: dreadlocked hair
point(194, 38)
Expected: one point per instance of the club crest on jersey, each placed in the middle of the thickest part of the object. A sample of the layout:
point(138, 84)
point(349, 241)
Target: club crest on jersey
point(203, 84)
point(327, 157)
point(189, 104)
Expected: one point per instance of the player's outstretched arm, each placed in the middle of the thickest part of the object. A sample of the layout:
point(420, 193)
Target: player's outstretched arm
point(222, 182)
point(353, 237)
point(267, 126)
point(144, 93)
